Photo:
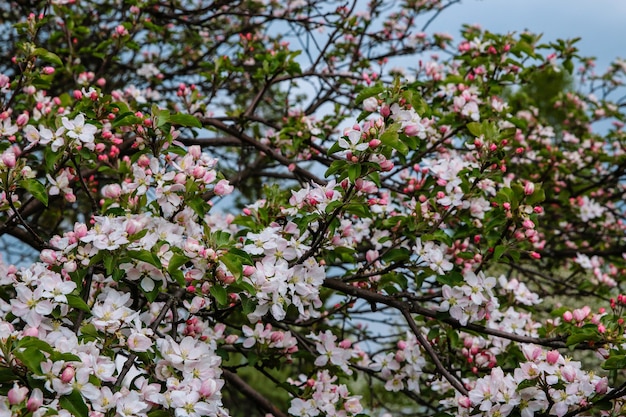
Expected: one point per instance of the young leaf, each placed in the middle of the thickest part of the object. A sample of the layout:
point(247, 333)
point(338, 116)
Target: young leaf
point(36, 189)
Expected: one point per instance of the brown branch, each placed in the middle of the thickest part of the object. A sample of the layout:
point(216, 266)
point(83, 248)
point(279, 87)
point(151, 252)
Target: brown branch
point(131, 358)
point(454, 381)
point(412, 307)
point(250, 393)
point(232, 130)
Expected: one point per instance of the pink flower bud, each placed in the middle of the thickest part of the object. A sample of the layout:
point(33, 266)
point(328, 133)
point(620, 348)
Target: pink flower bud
point(386, 165)
point(208, 388)
point(17, 394)
point(567, 316)
point(412, 130)
point(121, 30)
point(48, 256)
point(553, 356)
point(370, 104)
point(68, 374)
point(31, 331)
point(602, 386)
point(385, 111)
point(465, 402)
point(371, 255)
point(276, 337)
point(8, 158)
point(113, 191)
point(345, 344)
point(529, 188)
point(35, 401)
point(80, 230)
point(223, 188)
point(133, 226)
point(569, 373)
point(374, 143)
point(580, 314)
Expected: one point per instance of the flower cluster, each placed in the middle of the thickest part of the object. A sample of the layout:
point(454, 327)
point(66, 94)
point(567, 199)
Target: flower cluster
point(277, 283)
point(553, 384)
point(324, 397)
point(473, 301)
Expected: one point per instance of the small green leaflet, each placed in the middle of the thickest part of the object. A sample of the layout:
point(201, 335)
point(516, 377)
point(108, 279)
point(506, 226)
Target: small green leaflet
point(36, 189)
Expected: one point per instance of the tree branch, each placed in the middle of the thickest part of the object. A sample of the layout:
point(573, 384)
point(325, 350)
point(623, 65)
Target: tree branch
point(249, 392)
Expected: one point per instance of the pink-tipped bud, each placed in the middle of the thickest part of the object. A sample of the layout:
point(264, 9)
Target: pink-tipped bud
point(345, 344)
point(465, 402)
point(208, 388)
point(68, 374)
point(568, 316)
point(385, 111)
point(17, 394)
point(529, 188)
point(35, 401)
point(31, 331)
point(553, 356)
point(602, 386)
point(48, 256)
point(371, 255)
point(9, 159)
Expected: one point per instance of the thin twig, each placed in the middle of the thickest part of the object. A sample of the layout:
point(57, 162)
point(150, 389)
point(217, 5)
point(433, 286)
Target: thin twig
point(454, 381)
point(249, 392)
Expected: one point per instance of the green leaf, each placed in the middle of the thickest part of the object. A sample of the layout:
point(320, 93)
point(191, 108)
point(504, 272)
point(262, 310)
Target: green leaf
point(7, 375)
point(475, 128)
point(233, 263)
point(583, 336)
point(185, 120)
point(161, 116)
point(146, 256)
point(159, 413)
point(498, 252)
point(125, 119)
point(391, 138)
point(176, 261)
point(50, 157)
point(35, 343)
point(220, 294)
point(174, 265)
point(48, 56)
point(354, 171)
point(537, 196)
point(199, 206)
point(110, 263)
point(31, 358)
point(359, 209)
point(368, 92)
point(77, 302)
point(75, 404)
point(615, 362)
point(335, 167)
point(334, 149)
point(452, 278)
point(36, 189)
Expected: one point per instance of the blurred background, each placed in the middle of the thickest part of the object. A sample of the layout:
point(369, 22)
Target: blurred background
point(600, 23)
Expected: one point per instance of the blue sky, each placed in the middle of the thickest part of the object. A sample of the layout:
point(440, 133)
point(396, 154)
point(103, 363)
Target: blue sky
point(600, 23)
